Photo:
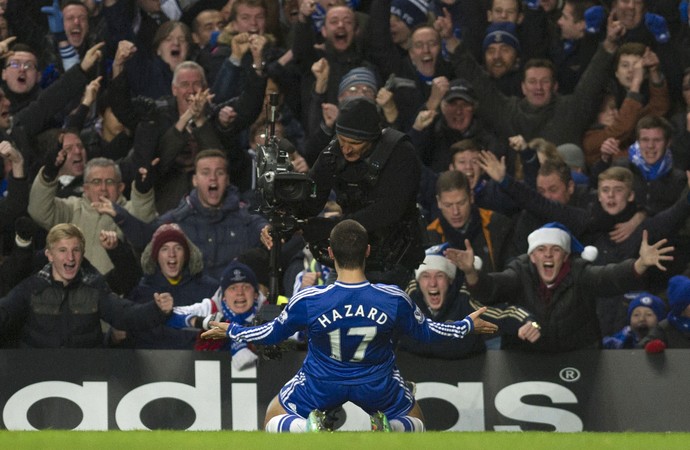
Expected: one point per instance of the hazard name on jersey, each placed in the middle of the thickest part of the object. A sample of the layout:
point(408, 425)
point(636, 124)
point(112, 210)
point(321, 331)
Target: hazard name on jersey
point(350, 311)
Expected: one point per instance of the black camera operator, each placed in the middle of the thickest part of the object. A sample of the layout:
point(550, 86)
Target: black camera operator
point(375, 175)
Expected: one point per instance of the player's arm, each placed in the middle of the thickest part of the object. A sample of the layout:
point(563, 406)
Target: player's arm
point(423, 329)
point(291, 320)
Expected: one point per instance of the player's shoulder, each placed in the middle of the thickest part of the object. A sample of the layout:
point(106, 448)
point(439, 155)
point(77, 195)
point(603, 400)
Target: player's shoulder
point(307, 293)
point(391, 289)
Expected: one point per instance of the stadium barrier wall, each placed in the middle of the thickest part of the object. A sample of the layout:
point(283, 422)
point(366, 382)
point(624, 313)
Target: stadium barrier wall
point(614, 390)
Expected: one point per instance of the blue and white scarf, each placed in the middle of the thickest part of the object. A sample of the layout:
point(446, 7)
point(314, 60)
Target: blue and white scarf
point(244, 319)
point(654, 171)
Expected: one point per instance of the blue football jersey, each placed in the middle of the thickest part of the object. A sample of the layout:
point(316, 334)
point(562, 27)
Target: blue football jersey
point(351, 329)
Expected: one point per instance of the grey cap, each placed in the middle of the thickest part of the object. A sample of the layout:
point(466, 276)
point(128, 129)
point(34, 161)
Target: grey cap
point(572, 155)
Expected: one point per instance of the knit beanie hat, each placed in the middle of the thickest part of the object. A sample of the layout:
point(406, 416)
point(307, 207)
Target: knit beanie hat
point(236, 272)
point(358, 119)
point(412, 12)
point(650, 301)
point(358, 75)
point(501, 33)
point(678, 294)
point(555, 233)
point(168, 232)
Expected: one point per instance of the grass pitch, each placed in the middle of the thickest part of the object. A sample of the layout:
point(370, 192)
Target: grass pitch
point(133, 440)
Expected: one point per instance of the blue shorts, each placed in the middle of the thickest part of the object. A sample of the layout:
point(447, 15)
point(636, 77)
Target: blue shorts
point(303, 394)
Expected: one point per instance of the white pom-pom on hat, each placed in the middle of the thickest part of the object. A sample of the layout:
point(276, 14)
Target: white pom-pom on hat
point(589, 253)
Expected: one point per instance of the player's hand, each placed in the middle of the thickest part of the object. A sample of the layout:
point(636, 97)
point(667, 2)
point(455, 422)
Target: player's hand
point(482, 326)
point(217, 331)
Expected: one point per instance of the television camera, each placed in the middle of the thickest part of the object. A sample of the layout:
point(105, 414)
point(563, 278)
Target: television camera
point(281, 190)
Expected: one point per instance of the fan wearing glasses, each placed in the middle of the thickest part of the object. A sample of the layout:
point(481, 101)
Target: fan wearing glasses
point(20, 77)
point(102, 184)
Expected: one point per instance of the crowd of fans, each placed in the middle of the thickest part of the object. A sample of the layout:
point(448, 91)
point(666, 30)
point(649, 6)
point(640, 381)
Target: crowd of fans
point(138, 121)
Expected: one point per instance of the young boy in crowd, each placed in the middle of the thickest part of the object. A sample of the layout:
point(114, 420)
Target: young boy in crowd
point(236, 301)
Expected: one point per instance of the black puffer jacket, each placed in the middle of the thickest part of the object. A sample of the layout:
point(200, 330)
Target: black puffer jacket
point(58, 316)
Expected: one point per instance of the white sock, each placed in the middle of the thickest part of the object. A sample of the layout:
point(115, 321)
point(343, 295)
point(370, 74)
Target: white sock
point(287, 423)
point(406, 424)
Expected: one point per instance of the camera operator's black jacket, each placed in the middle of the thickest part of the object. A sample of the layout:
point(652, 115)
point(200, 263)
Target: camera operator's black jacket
point(385, 206)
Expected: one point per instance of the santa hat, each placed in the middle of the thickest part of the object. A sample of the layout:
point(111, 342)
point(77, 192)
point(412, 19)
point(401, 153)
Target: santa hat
point(650, 301)
point(434, 260)
point(555, 233)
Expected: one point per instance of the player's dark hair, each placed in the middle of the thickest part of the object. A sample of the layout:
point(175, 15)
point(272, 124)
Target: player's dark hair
point(349, 242)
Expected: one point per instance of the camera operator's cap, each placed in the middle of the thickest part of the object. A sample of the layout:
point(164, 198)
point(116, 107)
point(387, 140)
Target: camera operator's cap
point(412, 12)
point(555, 233)
point(650, 301)
point(358, 119)
point(460, 88)
point(501, 33)
point(678, 294)
point(358, 75)
point(236, 272)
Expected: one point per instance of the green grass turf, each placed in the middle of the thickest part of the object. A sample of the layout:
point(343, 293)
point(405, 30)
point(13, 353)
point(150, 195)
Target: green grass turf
point(132, 440)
